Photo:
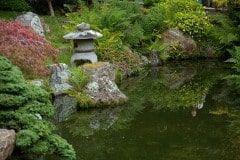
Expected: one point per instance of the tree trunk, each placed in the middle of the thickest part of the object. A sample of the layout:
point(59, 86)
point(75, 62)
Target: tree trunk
point(50, 7)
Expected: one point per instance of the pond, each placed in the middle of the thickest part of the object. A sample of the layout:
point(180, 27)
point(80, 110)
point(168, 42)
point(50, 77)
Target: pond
point(178, 111)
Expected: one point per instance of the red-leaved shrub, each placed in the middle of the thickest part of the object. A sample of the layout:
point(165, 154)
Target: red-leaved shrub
point(25, 48)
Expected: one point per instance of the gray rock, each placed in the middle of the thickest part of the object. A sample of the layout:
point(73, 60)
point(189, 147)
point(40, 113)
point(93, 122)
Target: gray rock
point(37, 83)
point(59, 75)
point(154, 58)
point(7, 143)
point(64, 106)
point(32, 20)
point(174, 37)
point(102, 87)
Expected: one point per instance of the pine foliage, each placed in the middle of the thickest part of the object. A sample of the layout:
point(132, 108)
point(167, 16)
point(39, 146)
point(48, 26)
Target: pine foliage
point(28, 110)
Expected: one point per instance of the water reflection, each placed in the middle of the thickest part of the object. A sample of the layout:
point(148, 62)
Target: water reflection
point(158, 123)
point(87, 123)
point(199, 105)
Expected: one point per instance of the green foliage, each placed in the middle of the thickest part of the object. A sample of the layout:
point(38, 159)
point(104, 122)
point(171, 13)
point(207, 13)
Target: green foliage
point(110, 48)
point(79, 80)
point(62, 148)
point(195, 24)
point(155, 21)
point(118, 77)
point(186, 15)
point(224, 31)
point(120, 24)
point(235, 53)
point(56, 26)
point(234, 13)
point(28, 110)
point(14, 5)
point(235, 59)
point(84, 101)
point(8, 15)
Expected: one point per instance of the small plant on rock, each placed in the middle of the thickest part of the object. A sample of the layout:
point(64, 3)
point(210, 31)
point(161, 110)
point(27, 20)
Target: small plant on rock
point(79, 80)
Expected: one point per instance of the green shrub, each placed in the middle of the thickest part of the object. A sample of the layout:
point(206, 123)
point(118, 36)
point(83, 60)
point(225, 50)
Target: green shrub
point(110, 48)
point(79, 80)
point(28, 110)
point(14, 5)
point(224, 34)
point(186, 15)
point(193, 24)
point(224, 30)
point(121, 29)
point(235, 57)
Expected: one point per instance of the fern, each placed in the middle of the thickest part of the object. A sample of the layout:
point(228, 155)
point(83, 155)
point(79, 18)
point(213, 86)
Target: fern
point(224, 30)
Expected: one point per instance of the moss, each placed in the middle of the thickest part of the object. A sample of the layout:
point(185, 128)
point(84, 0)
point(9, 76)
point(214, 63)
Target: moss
point(92, 66)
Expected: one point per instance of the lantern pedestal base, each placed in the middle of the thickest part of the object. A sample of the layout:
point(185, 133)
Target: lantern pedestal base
point(91, 56)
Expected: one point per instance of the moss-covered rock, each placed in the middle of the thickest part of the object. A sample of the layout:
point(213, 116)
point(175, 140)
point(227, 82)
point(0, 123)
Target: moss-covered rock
point(102, 87)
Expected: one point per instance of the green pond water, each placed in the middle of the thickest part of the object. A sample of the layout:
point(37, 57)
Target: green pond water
point(179, 111)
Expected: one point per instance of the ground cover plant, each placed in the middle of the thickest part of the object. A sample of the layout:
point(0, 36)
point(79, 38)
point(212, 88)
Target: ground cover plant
point(186, 15)
point(28, 110)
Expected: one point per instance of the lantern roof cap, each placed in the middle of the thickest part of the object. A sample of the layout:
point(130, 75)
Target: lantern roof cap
point(83, 32)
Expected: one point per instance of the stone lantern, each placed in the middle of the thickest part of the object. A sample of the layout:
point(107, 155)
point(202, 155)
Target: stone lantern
point(83, 43)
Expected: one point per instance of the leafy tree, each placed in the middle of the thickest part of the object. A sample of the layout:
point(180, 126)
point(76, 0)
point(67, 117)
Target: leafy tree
point(28, 110)
point(25, 48)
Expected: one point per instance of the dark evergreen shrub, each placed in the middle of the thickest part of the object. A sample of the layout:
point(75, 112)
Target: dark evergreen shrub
point(28, 110)
point(14, 5)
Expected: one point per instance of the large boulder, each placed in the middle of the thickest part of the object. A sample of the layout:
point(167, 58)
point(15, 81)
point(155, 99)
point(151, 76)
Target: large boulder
point(176, 39)
point(102, 87)
point(32, 20)
point(7, 143)
point(64, 104)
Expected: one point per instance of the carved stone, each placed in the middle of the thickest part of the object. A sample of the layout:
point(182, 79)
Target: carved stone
point(83, 43)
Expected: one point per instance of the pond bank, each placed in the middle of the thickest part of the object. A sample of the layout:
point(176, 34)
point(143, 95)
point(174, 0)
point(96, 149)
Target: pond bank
point(157, 122)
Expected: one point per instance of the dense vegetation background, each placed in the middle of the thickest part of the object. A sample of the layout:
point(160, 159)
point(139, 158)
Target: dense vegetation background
point(129, 30)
